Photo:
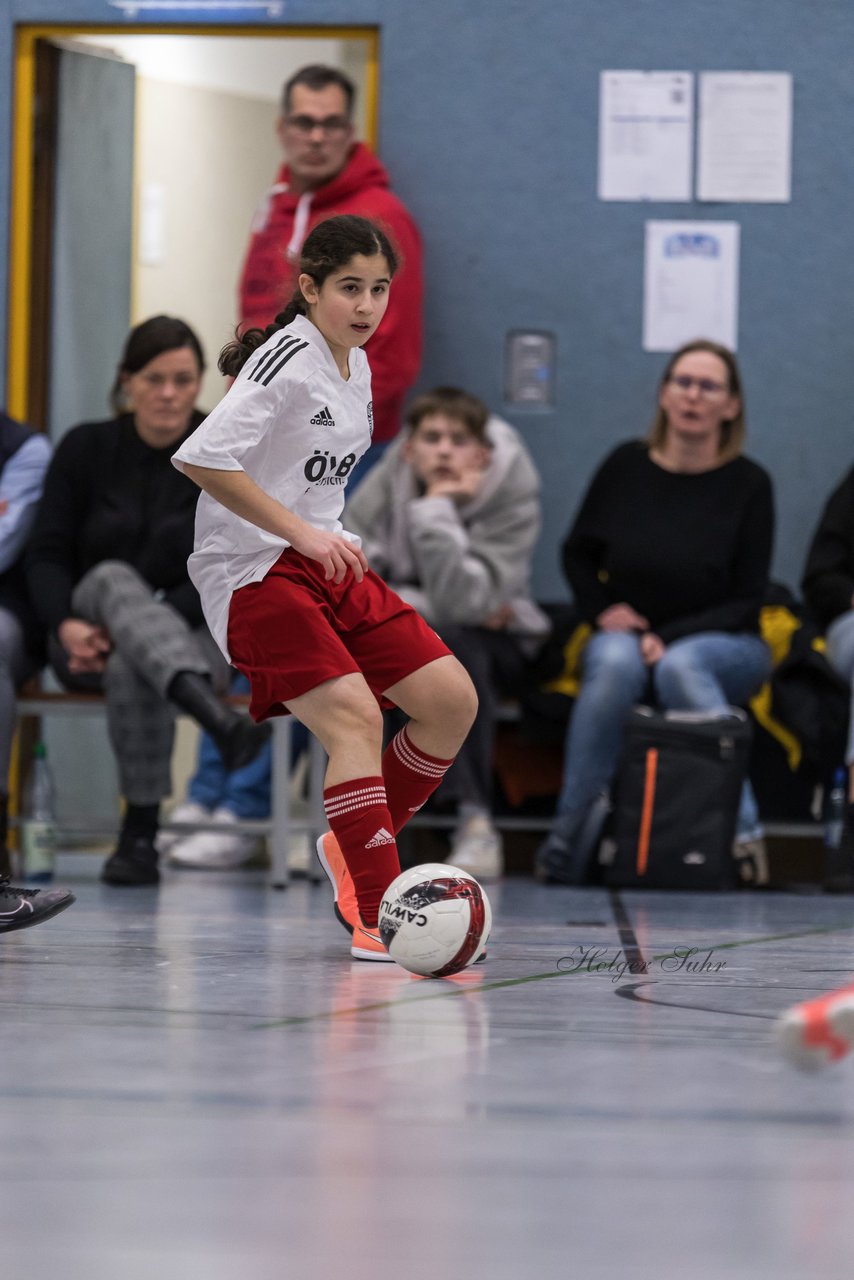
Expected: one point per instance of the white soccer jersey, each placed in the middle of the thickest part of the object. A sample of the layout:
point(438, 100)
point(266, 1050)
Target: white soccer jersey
point(293, 424)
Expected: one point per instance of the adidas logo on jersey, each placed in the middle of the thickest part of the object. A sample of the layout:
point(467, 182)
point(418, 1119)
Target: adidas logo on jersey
point(323, 419)
point(381, 837)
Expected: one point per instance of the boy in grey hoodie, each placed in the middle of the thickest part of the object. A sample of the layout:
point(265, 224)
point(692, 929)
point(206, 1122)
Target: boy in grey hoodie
point(449, 517)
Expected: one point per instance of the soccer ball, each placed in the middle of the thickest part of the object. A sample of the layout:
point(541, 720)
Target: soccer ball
point(434, 920)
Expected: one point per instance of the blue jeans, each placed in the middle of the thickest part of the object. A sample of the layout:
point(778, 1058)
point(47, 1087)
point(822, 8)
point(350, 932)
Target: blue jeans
point(246, 791)
point(840, 653)
point(705, 672)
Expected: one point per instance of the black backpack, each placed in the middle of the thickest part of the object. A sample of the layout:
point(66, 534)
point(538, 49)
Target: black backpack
point(675, 800)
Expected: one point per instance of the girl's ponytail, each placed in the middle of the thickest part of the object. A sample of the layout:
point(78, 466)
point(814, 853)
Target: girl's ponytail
point(234, 354)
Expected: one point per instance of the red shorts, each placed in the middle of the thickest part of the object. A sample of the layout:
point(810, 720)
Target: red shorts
point(293, 630)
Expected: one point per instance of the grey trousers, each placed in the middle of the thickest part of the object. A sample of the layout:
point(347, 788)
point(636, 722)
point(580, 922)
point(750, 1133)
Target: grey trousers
point(15, 668)
point(152, 643)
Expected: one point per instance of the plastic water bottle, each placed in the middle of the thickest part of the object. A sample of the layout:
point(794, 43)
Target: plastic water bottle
point(38, 827)
point(837, 803)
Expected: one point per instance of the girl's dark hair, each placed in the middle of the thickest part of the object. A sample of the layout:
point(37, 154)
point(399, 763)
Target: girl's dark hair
point(145, 343)
point(327, 248)
point(733, 430)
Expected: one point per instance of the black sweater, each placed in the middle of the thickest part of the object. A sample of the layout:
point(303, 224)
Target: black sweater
point(828, 581)
point(110, 496)
point(690, 552)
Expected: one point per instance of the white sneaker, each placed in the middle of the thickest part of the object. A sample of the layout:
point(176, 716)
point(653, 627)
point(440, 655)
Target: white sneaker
point(300, 851)
point(751, 861)
point(215, 849)
point(186, 811)
point(300, 846)
point(476, 847)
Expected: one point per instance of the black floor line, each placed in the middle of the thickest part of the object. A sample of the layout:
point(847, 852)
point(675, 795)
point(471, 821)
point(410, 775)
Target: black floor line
point(633, 992)
point(628, 939)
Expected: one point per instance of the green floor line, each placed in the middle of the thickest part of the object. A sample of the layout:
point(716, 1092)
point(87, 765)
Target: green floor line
point(450, 991)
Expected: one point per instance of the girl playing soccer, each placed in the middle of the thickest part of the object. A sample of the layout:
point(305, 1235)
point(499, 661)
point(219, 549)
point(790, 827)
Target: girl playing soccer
point(287, 592)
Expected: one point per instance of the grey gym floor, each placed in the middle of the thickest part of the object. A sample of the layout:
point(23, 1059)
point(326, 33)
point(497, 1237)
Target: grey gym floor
point(197, 1082)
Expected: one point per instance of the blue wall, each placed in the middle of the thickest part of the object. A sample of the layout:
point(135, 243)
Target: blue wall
point(488, 124)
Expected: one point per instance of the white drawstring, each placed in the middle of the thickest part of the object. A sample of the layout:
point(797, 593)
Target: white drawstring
point(300, 224)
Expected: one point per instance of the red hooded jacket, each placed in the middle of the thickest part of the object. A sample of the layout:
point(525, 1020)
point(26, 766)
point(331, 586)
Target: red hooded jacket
point(270, 271)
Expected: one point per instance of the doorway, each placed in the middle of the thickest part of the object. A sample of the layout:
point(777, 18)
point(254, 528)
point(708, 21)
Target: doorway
point(201, 154)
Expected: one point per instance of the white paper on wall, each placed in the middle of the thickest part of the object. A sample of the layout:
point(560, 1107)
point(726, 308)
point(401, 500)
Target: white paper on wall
point(645, 135)
point(690, 284)
point(744, 147)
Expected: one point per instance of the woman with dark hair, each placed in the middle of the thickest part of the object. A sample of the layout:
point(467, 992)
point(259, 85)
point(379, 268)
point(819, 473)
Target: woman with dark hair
point(107, 572)
point(668, 560)
point(287, 592)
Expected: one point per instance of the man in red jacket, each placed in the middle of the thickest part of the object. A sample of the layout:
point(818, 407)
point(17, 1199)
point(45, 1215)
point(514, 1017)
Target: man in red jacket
point(327, 173)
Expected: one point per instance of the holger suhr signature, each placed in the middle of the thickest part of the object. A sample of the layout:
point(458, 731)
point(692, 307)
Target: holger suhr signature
point(617, 964)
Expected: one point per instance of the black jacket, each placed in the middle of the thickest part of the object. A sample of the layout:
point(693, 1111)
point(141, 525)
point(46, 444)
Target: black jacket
point(110, 496)
point(828, 581)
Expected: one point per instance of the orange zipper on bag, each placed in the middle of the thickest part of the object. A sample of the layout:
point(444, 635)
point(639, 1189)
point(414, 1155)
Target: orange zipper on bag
point(646, 811)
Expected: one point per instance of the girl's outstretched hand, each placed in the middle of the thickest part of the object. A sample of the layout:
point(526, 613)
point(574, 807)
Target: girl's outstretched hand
point(335, 553)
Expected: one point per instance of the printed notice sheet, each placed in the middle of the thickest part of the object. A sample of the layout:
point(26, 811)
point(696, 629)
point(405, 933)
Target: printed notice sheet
point(690, 284)
point(646, 123)
point(744, 148)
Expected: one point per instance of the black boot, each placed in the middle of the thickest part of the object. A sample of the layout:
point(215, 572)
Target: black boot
point(238, 738)
point(568, 854)
point(556, 859)
point(5, 861)
point(134, 860)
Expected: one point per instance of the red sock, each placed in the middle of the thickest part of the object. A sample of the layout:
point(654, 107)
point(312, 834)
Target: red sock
point(359, 818)
point(411, 777)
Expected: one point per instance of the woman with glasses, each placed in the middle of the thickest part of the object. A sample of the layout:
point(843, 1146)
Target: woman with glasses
point(668, 561)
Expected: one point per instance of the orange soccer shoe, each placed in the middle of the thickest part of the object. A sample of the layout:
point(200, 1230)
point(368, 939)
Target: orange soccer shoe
point(367, 945)
point(344, 891)
point(819, 1031)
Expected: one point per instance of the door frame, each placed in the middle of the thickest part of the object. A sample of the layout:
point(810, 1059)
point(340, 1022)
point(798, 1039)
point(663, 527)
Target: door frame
point(22, 212)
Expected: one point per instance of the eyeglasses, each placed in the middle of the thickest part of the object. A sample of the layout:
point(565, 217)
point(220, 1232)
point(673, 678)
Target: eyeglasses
point(330, 125)
point(181, 381)
point(705, 386)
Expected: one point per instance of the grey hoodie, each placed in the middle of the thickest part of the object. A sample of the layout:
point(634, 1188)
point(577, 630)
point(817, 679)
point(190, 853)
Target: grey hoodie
point(456, 563)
